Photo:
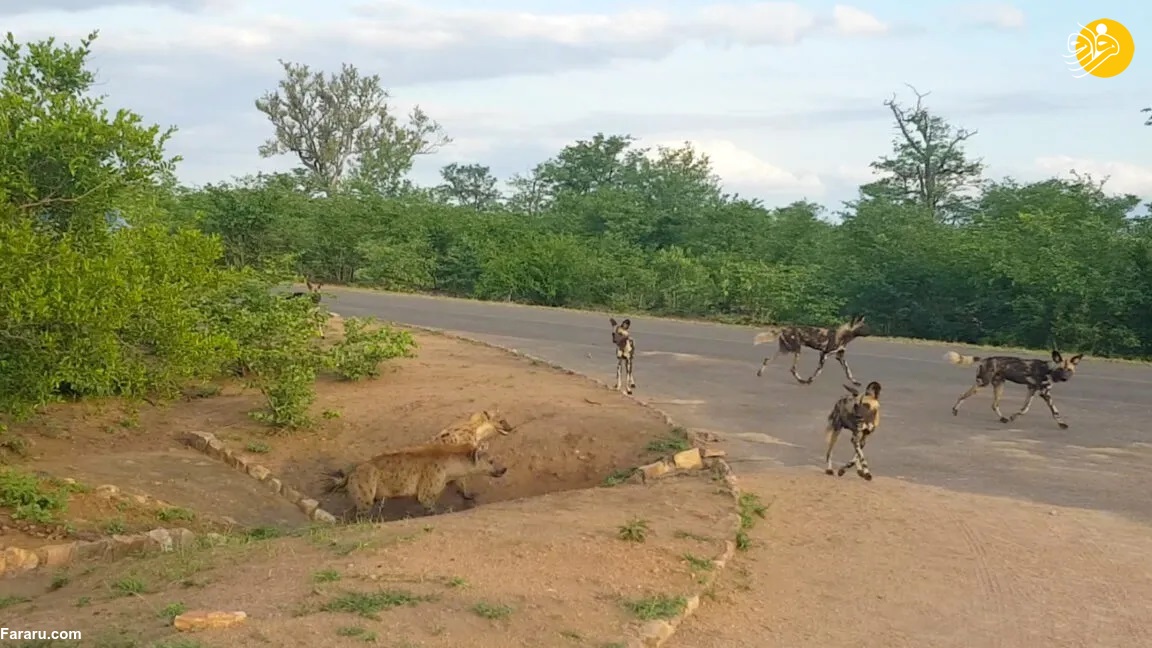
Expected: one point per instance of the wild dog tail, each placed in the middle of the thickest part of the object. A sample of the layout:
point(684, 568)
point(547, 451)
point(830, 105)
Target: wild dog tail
point(959, 359)
point(335, 481)
point(765, 337)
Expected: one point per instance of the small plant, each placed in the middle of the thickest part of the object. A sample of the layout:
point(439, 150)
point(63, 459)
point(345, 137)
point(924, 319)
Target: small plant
point(84, 601)
point(30, 497)
point(456, 582)
point(173, 610)
point(618, 477)
point(59, 580)
point(356, 631)
point(490, 611)
point(115, 526)
point(129, 586)
point(369, 604)
point(173, 513)
point(258, 447)
point(360, 353)
point(750, 508)
point(656, 607)
point(9, 601)
point(636, 530)
point(676, 441)
point(326, 576)
point(330, 414)
point(688, 535)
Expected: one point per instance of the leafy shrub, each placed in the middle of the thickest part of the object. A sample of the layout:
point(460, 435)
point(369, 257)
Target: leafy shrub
point(30, 497)
point(361, 352)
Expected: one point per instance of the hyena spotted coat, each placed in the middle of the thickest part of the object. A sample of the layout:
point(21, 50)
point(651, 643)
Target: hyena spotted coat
point(314, 296)
point(475, 432)
point(625, 353)
point(859, 414)
point(1038, 376)
point(826, 340)
point(421, 471)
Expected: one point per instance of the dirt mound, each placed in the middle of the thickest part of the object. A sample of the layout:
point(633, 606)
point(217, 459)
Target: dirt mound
point(558, 570)
point(842, 562)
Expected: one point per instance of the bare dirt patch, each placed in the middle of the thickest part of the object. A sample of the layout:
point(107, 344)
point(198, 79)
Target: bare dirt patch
point(841, 562)
point(566, 569)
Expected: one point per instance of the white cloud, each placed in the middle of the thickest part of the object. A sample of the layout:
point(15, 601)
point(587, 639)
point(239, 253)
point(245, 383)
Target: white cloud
point(741, 168)
point(987, 14)
point(1123, 177)
point(851, 21)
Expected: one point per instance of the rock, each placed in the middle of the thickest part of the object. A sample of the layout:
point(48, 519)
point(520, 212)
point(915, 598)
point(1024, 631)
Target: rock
point(57, 555)
point(259, 472)
point(16, 560)
point(203, 620)
point(320, 515)
point(274, 485)
point(214, 448)
point(655, 633)
point(688, 459)
point(107, 491)
point(291, 494)
point(182, 538)
point(161, 538)
point(95, 550)
point(235, 460)
point(127, 545)
point(655, 470)
point(308, 506)
point(198, 440)
point(714, 454)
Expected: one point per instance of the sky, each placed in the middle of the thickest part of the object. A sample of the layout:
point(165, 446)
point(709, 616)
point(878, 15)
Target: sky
point(786, 98)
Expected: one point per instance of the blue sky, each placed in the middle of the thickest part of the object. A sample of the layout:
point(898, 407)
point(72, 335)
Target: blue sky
point(785, 97)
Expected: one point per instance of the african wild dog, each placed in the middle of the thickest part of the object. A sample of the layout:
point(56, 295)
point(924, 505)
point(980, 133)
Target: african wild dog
point(475, 431)
point(625, 352)
point(1037, 375)
point(422, 471)
point(826, 340)
point(859, 414)
point(314, 295)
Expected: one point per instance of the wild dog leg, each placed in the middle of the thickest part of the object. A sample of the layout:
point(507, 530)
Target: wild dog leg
point(767, 360)
point(619, 372)
point(1052, 406)
point(831, 435)
point(1024, 409)
point(858, 460)
point(997, 392)
point(847, 370)
point(965, 396)
point(628, 370)
point(819, 368)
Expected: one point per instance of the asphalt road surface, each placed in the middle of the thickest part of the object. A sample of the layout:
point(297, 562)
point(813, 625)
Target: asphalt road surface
point(704, 376)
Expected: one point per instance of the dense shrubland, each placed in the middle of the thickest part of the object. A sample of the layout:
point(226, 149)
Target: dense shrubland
point(117, 280)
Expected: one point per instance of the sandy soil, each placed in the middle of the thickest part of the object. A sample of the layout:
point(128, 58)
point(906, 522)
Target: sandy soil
point(843, 562)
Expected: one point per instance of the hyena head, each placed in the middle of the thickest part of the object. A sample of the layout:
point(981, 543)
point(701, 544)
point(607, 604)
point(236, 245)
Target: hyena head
point(494, 417)
point(620, 331)
point(313, 290)
point(484, 461)
point(1060, 369)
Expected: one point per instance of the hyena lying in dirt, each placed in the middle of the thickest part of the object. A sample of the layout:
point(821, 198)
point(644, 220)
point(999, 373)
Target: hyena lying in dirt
point(826, 340)
point(625, 352)
point(1037, 375)
point(314, 295)
point(859, 414)
point(422, 471)
point(475, 431)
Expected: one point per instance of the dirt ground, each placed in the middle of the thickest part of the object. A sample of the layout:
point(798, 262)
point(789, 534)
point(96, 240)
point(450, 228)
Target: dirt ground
point(843, 562)
point(571, 434)
point(546, 571)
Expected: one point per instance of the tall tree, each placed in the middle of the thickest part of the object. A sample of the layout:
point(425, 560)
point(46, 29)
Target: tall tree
point(341, 125)
point(928, 166)
point(468, 185)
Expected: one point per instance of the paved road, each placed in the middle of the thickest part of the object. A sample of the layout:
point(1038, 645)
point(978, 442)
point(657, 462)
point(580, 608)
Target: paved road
point(704, 376)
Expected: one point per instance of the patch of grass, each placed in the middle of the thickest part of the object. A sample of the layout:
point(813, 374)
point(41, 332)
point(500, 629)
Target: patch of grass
point(675, 441)
point(30, 497)
point(456, 582)
point(258, 447)
point(59, 580)
point(330, 414)
point(618, 477)
point(491, 611)
point(635, 530)
point(173, 610)
point(84, 601)
point(262, 533)
point(326, 576)
point(688, 535)
point(698, 563)
point(656, 607)
point(174, 513)
point(363, 634)
point(115, 526)
point(572, 634)
point(129, 586)
point(9, 601)
point(749, 507)
point(368, 604)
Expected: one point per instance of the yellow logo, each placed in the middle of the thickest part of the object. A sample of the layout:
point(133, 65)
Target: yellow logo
point(1102, 48)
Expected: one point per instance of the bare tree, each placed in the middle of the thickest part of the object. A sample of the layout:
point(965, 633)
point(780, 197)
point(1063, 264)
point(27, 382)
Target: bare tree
point(929, 166)
point(341, 125)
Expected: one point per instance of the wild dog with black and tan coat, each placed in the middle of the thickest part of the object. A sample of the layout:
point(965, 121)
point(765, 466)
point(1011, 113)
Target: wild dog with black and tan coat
point(826, 340)
point(422, 471)
point(1037, 375)
point(859, 414)
point(475, 431)
point(625, 353)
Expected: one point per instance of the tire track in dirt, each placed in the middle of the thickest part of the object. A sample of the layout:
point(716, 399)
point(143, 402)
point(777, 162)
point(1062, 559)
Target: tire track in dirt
point(1116, 593)
point(996, 594)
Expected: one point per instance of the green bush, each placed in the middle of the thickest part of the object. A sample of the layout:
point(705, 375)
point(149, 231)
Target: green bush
point(362, 351)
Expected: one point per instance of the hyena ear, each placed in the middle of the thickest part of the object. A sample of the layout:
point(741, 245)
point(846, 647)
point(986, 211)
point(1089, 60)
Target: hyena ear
point(626, 324)
point(1076, 359)
point(1056, 357)
point(852, 390)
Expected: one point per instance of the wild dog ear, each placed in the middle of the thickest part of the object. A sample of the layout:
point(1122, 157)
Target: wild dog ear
point(852, 390)
point(1056, 357)
point(1074, 360)
point(626, 324)
point(873, 389)
point(612, 321)
point(308, 283)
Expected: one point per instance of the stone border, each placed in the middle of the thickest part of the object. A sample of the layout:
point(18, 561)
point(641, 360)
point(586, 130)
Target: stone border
point(209, 444)
point(653, 633)
point(15, 561)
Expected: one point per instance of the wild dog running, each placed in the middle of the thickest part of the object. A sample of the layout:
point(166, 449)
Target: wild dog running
point(859, 414)
point(1039, 376)
point(826, 340)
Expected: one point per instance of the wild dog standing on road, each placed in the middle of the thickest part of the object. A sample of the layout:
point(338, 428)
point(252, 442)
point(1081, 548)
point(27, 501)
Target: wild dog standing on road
point(422, 471)
point(859, 414)
point(1037, 375)
point(625, 352)
point(475, 431)
point(826, 340)
point(314, 295)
